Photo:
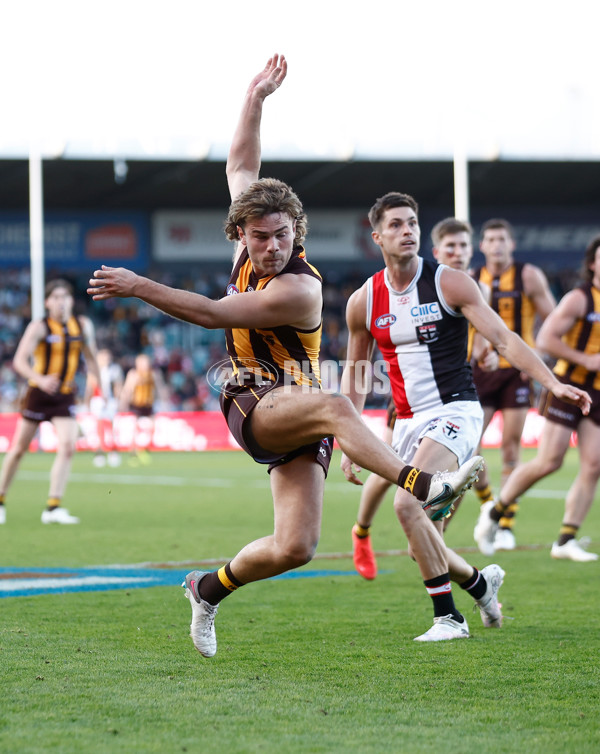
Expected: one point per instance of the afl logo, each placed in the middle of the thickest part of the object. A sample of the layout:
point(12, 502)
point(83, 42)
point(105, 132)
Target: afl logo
point(232, 289)
point(386, 320)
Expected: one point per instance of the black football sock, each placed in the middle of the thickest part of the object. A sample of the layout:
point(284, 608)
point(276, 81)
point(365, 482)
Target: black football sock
point(440, 591)
point(476, 585)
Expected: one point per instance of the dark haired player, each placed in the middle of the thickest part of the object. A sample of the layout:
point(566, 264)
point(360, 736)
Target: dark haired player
point(48, 357)
point(418, 313)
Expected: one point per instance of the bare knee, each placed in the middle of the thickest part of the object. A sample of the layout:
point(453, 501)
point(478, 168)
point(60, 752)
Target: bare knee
point(297, 554)
point(590, 469)
point(338, 406)
point(551, 465)
point(67, 450)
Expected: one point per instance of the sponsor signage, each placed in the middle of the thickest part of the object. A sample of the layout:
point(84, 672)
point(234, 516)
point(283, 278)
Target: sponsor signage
point(78, 240)
point(74, 240)
point(345, 235)
point(189, 236)
point(199, 236)
point(207, 430)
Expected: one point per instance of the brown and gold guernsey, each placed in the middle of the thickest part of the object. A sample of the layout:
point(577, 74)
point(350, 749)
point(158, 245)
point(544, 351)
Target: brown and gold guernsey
point(508, 299)
point(144, 391)
point(279, 355)
point(59, 352)
point(583, 336)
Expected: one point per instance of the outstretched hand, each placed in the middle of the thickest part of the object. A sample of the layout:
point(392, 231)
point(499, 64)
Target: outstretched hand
point(112, 282)
point(271, 77)
point(571, 394)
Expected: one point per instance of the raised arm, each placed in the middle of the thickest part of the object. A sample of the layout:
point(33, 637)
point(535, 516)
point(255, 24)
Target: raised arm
point(243, 162)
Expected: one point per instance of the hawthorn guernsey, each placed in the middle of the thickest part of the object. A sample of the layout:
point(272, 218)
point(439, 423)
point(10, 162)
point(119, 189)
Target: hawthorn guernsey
point(426, 352)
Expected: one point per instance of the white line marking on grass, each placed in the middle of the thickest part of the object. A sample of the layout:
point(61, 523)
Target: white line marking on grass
point(199, 481)
point(28, 583)
point(134, 479)
point(13, 585)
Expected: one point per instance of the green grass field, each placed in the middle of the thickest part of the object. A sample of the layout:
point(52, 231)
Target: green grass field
point(320, 664)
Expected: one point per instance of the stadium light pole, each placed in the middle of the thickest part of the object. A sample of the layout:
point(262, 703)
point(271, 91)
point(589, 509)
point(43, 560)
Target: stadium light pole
point(461, 181)
point(36, 232)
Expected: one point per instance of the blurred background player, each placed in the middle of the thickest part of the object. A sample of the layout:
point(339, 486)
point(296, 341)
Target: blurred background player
point(143, 386)
point(104, 404)
point(54, 345)
point(453, 246)
point(571, 334)
point(520, 294)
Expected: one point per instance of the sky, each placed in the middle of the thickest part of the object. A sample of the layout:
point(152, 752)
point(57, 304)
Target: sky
point(383, 80)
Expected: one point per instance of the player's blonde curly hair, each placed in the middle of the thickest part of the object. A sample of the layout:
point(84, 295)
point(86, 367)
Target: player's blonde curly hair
point(265, 197)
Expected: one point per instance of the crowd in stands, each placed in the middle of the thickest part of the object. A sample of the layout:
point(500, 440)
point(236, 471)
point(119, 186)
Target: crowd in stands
point(183, 352)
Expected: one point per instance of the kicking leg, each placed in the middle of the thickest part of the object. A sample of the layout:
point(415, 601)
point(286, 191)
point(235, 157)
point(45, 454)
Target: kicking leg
point(287, 418)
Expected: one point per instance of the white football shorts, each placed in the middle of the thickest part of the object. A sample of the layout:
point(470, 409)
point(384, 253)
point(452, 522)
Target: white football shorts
point(456, 425)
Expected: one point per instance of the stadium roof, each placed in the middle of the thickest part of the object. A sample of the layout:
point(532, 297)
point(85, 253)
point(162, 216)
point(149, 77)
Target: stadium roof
point(148, 185)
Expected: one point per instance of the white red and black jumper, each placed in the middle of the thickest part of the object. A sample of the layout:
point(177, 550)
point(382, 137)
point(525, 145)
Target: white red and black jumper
point(422, 339)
